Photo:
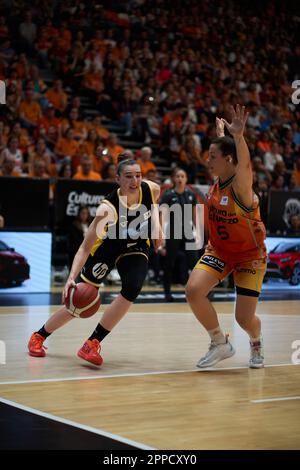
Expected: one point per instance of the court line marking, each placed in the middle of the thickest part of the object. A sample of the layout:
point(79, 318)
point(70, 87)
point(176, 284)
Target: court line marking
point(135, 374)
point(151, 313)
point(100, 432)
point(267, 400)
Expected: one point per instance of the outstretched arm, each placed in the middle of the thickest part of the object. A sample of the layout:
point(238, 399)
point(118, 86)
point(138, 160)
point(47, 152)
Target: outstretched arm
point(243, 180)
point(104, 215)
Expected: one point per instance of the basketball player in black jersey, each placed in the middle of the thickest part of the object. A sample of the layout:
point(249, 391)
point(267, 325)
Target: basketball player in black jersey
point(118, 236)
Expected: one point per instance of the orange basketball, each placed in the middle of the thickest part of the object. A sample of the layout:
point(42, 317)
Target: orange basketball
point(83, 301)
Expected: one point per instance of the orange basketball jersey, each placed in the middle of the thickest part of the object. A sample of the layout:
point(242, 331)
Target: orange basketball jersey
point(236, 232)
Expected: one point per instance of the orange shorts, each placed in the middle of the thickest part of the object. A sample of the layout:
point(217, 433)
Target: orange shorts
point(248, 275)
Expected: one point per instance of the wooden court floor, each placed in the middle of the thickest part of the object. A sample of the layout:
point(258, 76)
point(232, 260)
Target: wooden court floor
point(148, 390)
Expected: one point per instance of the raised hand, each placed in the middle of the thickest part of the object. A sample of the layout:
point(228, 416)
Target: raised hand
point(220, 127)
point(239, 118)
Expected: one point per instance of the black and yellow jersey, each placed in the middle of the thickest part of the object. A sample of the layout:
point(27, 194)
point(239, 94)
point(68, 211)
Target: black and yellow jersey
point(128, 234)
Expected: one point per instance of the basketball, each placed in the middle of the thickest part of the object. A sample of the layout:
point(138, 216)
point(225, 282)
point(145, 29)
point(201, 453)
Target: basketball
point(83, 301)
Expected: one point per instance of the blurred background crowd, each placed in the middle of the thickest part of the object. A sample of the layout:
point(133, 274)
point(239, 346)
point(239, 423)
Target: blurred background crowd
point(86, 81)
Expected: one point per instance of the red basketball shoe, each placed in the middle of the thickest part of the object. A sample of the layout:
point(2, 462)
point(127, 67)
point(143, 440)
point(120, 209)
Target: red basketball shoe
point(90, 352)
point(35, 345)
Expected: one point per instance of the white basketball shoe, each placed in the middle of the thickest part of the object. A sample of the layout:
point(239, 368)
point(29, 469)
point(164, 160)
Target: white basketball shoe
point(216, 353)
point(256, 354)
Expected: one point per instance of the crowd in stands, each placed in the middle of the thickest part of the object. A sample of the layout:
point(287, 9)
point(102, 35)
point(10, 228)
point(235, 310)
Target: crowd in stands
point(161, 71)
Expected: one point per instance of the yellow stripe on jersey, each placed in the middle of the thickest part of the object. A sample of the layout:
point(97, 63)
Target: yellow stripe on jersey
point(96, 245)
point(100, 240)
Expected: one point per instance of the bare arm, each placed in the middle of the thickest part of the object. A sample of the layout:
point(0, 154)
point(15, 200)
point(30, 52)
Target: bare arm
point(104, 215)
point(243, 180)
point(157, 233)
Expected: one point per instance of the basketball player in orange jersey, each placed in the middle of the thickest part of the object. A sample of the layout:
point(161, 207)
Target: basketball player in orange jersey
point(236, 244)
point(111, 241)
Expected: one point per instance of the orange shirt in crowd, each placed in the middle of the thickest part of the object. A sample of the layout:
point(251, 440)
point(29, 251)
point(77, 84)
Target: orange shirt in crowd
point(265, 146)
point(68, 147)
point(58, 99)
point(296, 173)
point(32, 111)
point(170, 117)
point(115, 152)
point(146, 166)
point(92, 176)
point(13, 173)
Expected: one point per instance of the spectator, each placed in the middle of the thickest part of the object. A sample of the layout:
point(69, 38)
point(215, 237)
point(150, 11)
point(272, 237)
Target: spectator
point(13, 150)
point(296, 172)
point(145, 161)
point(113, 148)
point(57, 97)
point(28, 31)
point(272, 157)
point(8, 166)
point(86, 172)
point(294, 225)
point(30, 111)
point(110, 173)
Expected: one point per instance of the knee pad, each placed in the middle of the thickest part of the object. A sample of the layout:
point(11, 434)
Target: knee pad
point(130, 290)
point(133, 270)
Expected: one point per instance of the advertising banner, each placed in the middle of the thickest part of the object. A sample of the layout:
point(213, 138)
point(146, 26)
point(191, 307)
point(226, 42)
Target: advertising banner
point(25, 262)
point(282, 205)
point(72, 194)
point(283, 267)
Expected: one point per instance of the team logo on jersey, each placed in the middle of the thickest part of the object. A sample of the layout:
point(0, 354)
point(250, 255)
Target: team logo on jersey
point(99, 270)
point(224, 201)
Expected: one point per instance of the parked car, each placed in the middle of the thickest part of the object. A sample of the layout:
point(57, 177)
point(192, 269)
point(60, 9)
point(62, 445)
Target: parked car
point(14, 268)
point(284, 262)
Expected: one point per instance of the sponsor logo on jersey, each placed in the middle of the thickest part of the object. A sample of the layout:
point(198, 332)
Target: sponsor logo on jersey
point(213, 262)
point(224, 201)
point(246, 270)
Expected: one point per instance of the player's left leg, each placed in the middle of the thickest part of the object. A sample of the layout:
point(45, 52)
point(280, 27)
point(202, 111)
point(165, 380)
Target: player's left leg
point(248, 279)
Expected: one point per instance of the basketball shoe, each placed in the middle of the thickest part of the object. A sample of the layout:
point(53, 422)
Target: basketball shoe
point(90, 352)
point(36, 347)
point(216, 353)
point(256, 354)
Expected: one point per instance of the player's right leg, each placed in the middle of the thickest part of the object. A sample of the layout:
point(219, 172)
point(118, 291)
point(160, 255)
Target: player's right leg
point(132, 269)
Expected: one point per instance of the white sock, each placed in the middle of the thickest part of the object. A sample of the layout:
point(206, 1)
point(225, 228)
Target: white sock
point(255, 340)
point(217, 336)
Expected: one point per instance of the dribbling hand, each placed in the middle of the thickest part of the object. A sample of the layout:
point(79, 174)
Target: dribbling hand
point(70, 283)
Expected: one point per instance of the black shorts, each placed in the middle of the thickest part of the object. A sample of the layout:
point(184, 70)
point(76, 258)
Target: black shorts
point(106, 257)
